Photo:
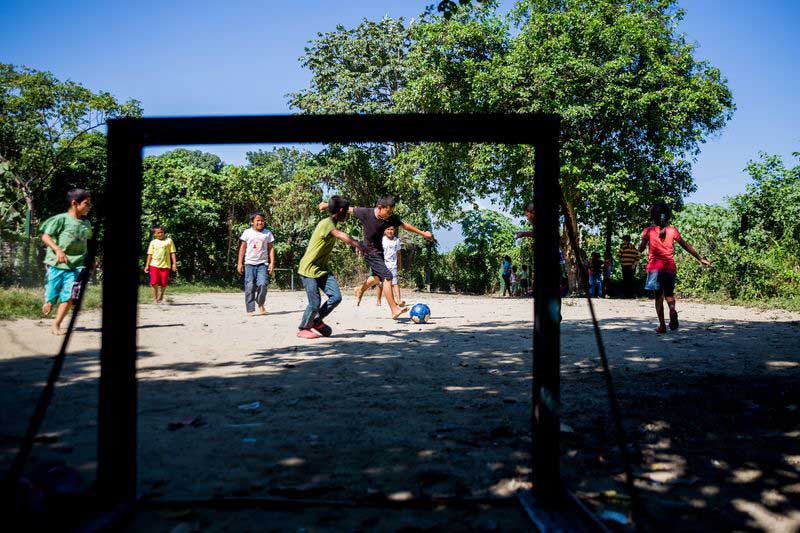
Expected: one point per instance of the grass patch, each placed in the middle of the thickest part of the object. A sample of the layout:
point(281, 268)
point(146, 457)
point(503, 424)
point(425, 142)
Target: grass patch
point(787, 303)
point(16, 302)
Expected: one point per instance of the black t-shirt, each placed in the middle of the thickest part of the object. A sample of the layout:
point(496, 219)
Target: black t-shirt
point(374, 227)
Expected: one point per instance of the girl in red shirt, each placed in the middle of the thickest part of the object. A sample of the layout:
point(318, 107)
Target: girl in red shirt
point(661, 271)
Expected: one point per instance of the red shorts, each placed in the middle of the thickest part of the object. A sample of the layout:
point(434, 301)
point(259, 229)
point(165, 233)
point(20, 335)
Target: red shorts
point(159, 276)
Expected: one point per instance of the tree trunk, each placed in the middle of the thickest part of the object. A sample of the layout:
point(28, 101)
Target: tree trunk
point(609, 231)
point(569, 255)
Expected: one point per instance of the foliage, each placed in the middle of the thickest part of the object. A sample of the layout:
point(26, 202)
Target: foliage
point(42, 122)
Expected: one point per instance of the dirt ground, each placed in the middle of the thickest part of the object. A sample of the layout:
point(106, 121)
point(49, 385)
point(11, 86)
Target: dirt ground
point(398, 410)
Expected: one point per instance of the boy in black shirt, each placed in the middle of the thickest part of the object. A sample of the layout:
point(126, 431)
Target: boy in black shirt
point(375, 220)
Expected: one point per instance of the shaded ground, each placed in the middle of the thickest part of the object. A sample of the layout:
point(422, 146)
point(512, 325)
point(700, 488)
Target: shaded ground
point(402, 410)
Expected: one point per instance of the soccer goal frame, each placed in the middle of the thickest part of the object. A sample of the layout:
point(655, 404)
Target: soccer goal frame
point(117, 418)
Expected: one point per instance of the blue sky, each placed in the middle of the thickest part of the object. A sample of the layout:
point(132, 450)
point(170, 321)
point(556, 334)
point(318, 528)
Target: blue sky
point(238, 57)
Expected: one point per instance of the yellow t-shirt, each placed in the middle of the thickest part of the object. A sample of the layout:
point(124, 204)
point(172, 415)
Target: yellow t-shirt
point(315, 261)
point(161, 249)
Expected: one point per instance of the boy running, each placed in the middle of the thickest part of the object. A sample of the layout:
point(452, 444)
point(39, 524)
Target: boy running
point(391, 256)
point(375, 220)
point(161, 256)
point(257, 262)
point(661, 270)
point(313, 270)
point(66, 236)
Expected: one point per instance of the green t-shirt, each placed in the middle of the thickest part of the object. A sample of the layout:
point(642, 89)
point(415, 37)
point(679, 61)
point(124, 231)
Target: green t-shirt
point(71, 235)
point(315, 261)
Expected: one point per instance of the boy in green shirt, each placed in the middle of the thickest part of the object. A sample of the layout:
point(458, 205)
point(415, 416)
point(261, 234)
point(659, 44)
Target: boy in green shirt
point(66, 236)
point(314, 273)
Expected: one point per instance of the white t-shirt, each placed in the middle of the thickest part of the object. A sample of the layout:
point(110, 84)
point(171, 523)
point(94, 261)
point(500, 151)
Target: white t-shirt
point(257, 251)
point(390, 249)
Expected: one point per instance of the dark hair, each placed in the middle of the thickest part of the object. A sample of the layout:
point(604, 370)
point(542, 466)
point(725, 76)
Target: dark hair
point(256, 214)
point(507, 258)
point(525, 268)
point(387, 200)
point(77, 196)
point(660, 214)
point(156, 226)
point(337, 203)
point(626, 237)
point(513, 268)
point(529, 207)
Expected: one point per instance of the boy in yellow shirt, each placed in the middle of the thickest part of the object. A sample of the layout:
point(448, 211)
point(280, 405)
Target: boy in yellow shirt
point(160, 254)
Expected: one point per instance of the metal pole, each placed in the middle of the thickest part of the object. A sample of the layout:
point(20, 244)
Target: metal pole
point(116, 444)
point(547, 317)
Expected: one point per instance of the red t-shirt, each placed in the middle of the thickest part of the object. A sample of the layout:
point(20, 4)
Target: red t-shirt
point(662, 253)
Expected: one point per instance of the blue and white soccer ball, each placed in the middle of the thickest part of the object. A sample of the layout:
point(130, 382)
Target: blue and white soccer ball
point(420, 313)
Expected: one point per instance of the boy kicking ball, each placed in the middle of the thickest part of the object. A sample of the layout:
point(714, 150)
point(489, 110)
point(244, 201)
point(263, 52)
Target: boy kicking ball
point(161, 258)
point(313, 270)
point(375, 220)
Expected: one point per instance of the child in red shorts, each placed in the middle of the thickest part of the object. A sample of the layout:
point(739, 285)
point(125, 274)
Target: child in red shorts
point(161, 257)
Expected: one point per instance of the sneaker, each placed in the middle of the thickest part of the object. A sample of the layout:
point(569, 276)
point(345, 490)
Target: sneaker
point(324, 329)
point(308, 334)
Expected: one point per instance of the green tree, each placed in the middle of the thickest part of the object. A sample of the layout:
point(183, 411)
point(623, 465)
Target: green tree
point(42, 120)
point(488, 236)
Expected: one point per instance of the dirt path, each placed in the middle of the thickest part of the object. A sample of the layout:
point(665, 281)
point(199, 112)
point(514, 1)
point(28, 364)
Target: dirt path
point(404, 410)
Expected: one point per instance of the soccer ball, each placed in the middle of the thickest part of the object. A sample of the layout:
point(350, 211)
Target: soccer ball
point(420, 313)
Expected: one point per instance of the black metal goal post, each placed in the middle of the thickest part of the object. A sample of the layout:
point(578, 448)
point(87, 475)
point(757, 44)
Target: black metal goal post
point(117, 419)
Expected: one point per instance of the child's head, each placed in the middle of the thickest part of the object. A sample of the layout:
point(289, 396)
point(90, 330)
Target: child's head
point(606, 256)
point(385, 206)
point(257, 220)
point(507, 258)
point(514, 268)
point(158, 231)
point(338, 207)
point(626, 239)
point(530, 213)
point(660, 214)
point(389, 232)
point(524, 268)
point(595, 255)
point(80, 200)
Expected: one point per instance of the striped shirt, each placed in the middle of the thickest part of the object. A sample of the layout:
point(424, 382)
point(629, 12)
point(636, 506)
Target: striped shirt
point(628, 255)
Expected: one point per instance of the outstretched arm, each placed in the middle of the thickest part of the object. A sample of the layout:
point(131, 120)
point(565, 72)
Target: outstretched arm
point(413, 229)
point(347, 239)
point(324, 206)
point(688, 247)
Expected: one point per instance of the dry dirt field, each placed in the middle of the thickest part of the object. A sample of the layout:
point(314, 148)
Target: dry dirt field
point(394, 409)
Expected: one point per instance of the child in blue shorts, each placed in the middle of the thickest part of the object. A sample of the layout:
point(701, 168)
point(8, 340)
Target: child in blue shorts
point(66, 236)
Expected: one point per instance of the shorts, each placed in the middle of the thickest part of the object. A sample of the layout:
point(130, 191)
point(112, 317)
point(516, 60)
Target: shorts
point(661, 283)
point(60, 284)
point(395, 276)
point(376, 262)
point(159, 276)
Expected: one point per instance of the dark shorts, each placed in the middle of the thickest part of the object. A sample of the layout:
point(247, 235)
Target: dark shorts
point(376, 262)
point(663, 283)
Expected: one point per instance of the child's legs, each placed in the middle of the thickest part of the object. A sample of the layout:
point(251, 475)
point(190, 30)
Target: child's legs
point(379, 291)
point(53, 287)
point(312, 293)
point(330, 287)
point(61, 312)
point(660, 306)
point(249, 287)
point(262, 283)
point(369, 283)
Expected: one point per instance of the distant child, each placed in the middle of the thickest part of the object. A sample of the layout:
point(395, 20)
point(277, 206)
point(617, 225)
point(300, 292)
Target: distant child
point(595, 266)
point(523, 280)
point(514, 284)
point(314, 272)
point(66, 236)
point(628, 259)
point(608, 266)
point(391, 257)
point(374, 222)
point(161, 258)
point(505, 273)
point(257, 262)
point(661, 270)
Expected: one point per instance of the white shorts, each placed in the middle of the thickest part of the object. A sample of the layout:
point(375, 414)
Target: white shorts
point(395, 277)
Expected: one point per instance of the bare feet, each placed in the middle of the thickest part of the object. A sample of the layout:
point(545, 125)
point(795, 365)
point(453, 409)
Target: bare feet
point(46, 308)
point(251, 313)
point(399, 312)
point(262, 310)
point(56, 330)
point(359, 294)
point(661, 329)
